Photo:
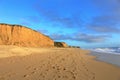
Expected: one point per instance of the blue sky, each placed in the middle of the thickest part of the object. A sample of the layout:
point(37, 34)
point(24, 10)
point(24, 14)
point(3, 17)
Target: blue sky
point(85, 23)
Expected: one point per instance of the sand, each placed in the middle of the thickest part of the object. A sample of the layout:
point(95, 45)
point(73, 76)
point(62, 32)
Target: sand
point(20, 63)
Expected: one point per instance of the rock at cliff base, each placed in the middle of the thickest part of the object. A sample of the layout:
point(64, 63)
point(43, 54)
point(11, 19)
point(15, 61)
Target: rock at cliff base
point(60, 44)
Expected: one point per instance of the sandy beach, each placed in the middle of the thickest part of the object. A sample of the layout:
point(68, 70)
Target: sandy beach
point(22, 63)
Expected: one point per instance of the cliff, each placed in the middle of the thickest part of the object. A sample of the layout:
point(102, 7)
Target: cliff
point(60, 44)
point(23, 36)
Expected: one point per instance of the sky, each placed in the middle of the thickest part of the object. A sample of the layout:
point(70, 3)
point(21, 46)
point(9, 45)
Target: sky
point(84, 23)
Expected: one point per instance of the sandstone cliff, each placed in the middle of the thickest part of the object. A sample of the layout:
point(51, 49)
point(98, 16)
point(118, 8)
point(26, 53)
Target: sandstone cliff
point(60, 44)
point(23, 36)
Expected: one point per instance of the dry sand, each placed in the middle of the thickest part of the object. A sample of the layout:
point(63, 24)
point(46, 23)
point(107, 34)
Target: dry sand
point(20, 63)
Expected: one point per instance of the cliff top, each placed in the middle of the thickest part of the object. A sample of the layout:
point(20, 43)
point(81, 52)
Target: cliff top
point(21, 26)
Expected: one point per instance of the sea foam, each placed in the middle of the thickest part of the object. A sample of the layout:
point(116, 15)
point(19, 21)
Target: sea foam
point(111, 50)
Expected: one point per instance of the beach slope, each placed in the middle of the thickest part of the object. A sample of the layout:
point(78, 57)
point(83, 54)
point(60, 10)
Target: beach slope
point(20, 63)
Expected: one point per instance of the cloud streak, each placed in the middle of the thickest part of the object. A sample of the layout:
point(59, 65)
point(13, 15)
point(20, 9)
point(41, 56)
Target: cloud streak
point(104, 29)
point(108, 20)
point(71, 21)
point(81, 37)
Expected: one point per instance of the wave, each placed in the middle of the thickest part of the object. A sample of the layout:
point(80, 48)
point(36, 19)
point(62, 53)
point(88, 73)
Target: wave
point(112, 50)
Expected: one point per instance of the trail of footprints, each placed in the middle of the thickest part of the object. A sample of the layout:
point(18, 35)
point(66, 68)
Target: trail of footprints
point(55, 71)
point(88, 73)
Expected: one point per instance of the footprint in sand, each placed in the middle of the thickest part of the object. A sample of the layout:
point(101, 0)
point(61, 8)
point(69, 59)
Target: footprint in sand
point(26, 75)
point(35, 69)
point(42, 75)
point(28, 68)
point(93, 78)
point(64, 69)
point(73, 75)
point(33, 72)
point(59, 76)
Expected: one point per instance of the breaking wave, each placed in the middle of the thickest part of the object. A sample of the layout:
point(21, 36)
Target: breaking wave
point(112, 50)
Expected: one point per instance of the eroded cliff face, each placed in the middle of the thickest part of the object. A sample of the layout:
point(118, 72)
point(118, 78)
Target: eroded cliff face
point(60, 44)
point(23, 36)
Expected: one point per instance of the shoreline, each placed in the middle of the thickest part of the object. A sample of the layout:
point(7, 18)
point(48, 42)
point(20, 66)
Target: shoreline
point(113, 59)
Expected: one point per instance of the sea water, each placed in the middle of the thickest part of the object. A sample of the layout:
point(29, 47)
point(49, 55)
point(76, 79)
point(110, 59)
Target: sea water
point(110, 55)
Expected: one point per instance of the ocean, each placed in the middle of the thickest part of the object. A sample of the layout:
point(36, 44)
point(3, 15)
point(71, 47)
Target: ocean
point(110, 55)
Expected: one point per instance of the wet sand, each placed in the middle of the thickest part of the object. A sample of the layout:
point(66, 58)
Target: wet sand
point(18, 63)
point(107, 57)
